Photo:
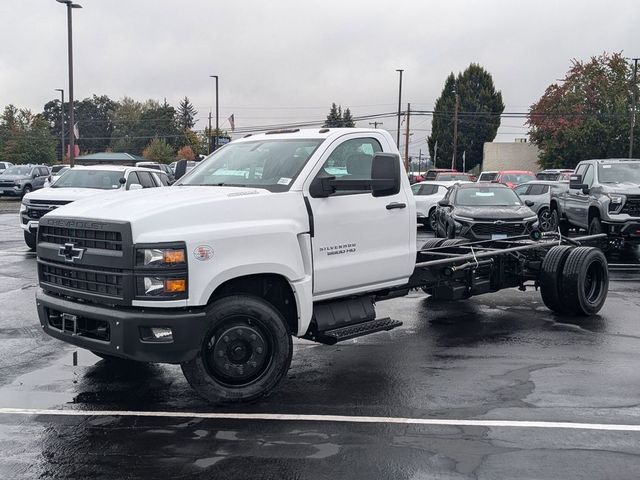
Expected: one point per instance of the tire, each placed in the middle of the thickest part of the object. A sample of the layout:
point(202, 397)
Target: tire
point(551, 276)
point(31, 240)
point(26, 189)
point(432, 243)
point(450, 242)
point(432, 223)
point(245, 353)
point(545, 223)
point(558, 223)
point(585, 281)
point(595, 226)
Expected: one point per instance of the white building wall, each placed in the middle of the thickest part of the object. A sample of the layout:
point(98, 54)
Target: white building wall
point(510, 156)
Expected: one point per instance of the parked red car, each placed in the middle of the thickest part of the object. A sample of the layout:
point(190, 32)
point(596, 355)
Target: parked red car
point(510, 178)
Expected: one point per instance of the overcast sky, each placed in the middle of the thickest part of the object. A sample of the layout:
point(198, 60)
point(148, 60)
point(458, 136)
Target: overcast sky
point(283, 61)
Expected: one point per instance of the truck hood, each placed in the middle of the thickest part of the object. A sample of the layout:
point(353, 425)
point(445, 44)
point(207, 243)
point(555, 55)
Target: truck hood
point(67, 194)
point(14, 178)
point(495, 213)
point(623, 188)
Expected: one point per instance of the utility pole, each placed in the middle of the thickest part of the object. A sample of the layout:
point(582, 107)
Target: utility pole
point(455, 132)
point(217, 115)
point(419, 160)
point(634, 87)
point(435, 155)
point(406, 139)
point(375, 124)
point(399, 108)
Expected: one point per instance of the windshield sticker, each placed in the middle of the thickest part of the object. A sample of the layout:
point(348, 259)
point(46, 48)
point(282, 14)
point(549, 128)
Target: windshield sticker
point(484, 194)
point(606, 166)
point(284, 181)
point(339, 249)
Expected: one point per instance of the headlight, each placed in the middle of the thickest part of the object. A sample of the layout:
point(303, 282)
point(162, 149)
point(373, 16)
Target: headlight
point(615, 199)
point(462, 219)
point(162, 286)
point(25, 201)
point(161, 257)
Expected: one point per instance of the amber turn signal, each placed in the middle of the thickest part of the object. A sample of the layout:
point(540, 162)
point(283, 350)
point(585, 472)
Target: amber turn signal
point(175, 285)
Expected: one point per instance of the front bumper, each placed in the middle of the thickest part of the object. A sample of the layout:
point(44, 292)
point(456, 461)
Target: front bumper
point(119, 331)
point(479, 230)
point(11, 191)
point(628, 230)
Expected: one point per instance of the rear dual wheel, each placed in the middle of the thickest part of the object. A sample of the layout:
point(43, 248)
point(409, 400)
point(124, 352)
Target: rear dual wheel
point(574, 281)
point(245, 353)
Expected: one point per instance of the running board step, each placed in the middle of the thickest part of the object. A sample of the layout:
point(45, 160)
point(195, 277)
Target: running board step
point(331, 337)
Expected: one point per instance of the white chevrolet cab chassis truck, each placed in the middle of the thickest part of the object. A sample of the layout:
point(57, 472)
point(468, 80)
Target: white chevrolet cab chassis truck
point(274, 235)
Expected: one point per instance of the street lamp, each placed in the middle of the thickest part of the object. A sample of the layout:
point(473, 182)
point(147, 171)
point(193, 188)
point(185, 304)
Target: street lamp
point(61, 90)
point(217, 118)
point(72, 141)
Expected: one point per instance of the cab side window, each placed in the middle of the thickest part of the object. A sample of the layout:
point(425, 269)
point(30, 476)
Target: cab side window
point(146, 180)
point(352, 160)
point(133, 178)
point(587, 179)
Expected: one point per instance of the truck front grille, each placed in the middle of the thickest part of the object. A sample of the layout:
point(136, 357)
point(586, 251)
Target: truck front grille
point(488, 229)
point(102, 281)
point(632, 206)
point(102, 239)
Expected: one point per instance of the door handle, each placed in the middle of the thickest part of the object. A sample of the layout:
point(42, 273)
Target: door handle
point(393, 205)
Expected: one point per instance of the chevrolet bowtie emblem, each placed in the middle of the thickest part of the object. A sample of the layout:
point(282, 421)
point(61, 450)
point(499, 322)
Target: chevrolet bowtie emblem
point(70, 252)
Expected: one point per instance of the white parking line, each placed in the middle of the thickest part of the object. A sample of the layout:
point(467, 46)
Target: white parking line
point(328, 418)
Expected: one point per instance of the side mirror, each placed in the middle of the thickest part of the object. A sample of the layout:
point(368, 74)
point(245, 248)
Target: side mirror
point(585, 189)
point(444, 203)
point(35, 175)
point(181, 169)
point(575, 182)
point(135, 186)
point(122, 180)
point(529, 203)
point(321, 186)
point(385, 174)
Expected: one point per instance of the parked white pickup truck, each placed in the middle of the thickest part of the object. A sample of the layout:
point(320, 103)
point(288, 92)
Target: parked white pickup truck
point(82, 182)
point(277, 234)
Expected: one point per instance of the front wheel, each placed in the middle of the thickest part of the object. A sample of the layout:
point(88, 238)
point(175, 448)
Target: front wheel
point(30, 240)
point(432, 220)
point(26, 189)
point(245, 353)
point(545, 222)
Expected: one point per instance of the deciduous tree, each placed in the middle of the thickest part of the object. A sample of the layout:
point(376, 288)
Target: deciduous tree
point(586, 115)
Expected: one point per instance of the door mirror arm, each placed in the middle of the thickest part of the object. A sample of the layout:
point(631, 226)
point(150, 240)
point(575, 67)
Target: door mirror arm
point(322, 186)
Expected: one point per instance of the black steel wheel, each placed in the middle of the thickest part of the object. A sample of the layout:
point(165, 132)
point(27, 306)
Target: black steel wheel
point(245, 353)
point(432, 219)
point(551, 276)
point(585, 281)
point(30, 239)
point(545, 223)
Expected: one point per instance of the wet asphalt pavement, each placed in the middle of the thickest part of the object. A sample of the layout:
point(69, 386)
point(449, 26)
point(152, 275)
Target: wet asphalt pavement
point(501, 356)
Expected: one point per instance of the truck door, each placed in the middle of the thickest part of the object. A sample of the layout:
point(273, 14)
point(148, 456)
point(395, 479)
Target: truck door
point(360, 242)
point(579, 211)
point(573, 199)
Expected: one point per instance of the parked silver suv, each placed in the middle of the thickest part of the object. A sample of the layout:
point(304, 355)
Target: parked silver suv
point(19, 180)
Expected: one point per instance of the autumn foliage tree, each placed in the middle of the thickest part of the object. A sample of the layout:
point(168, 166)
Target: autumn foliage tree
point(186, 153)
point(586, 115)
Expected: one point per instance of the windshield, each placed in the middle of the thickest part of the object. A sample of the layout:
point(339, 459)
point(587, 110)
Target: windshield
point(270, 164)
point(18, 171)
point(628, 172)
point(100, 179)
point(517, 178)
point(551, 176)
point(484, 197)
point(487, 177)
point(453, 176)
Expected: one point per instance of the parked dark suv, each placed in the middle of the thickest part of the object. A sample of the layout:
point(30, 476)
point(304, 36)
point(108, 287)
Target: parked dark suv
point(19, 180)
point(603, 197)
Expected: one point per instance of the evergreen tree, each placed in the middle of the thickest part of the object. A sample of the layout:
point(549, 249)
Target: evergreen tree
point(186, 115)
point(334, 119)
point(347, 119)
point(479, 113)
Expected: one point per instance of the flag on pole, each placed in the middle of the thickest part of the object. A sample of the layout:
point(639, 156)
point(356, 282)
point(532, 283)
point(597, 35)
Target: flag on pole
point(76, 132)
point(232, 122)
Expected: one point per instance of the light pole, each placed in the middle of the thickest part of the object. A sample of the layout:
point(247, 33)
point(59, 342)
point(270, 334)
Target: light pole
point(215, 145)
point(61, 90)
point(399, 108)
point(72, 140)
point(633, 105)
